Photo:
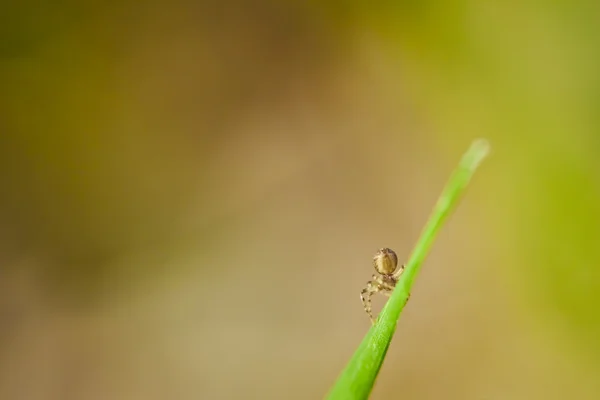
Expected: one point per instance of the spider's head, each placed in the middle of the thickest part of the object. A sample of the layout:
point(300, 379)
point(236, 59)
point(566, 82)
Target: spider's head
point(385, 261)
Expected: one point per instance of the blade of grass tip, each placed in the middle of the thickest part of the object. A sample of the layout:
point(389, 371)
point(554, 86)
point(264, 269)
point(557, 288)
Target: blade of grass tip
point(358, 377)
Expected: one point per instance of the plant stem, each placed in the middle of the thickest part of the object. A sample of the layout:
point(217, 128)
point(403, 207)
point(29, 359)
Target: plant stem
point(357, 379)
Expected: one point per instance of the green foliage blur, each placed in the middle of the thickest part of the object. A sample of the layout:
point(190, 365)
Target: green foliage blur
point(191, 193)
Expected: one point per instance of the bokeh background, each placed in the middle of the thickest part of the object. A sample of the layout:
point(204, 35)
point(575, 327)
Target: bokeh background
point(191, 194)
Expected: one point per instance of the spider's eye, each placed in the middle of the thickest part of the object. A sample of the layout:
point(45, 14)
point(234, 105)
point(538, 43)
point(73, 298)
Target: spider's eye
point(385, 261)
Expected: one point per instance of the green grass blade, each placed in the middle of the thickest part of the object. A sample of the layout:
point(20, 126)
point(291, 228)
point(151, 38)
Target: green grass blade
point(357, 379)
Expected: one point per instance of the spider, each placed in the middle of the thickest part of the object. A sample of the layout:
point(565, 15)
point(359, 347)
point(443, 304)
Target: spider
point(385, 262)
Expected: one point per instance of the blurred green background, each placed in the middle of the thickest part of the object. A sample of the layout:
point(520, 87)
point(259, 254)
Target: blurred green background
point(191, 194)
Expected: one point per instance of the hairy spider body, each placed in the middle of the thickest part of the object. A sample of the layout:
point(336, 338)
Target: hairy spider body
point(385, 263)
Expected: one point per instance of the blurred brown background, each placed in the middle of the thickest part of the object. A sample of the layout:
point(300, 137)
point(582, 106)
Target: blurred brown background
point(191, 194)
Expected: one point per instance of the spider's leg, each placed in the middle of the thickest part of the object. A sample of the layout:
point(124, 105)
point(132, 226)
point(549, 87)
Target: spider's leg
point(399, 272)
point(372, 287)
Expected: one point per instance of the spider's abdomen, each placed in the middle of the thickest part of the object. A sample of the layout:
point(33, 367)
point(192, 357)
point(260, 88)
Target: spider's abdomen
point(385, 261)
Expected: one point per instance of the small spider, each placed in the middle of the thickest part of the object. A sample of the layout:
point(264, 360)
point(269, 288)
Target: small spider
point(385, 262)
